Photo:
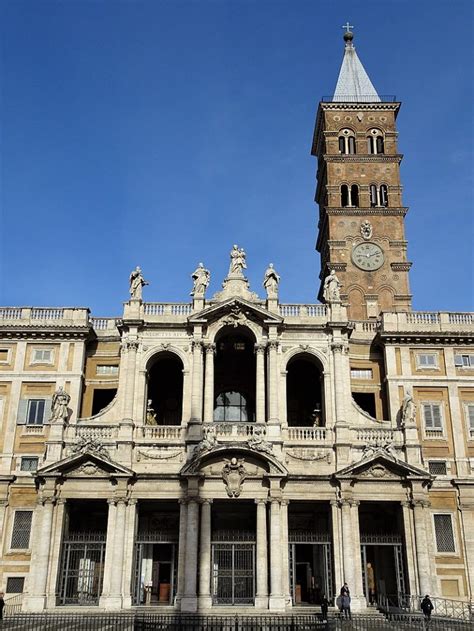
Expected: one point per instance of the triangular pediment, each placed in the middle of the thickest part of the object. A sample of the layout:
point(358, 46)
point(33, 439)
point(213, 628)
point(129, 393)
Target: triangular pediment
point(235, 311)
point(382, 465)
point(85, 464)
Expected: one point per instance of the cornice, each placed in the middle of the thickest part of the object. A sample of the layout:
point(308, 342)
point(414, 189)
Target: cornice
point(400, 211)
point(380, 157)
point(43, 333)
point(401, 267)
point(426, 337)
point(341, 105)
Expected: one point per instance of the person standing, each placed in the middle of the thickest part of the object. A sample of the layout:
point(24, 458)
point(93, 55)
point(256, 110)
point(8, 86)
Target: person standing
point(2, 605)
point(427, 607)
point(324, 608)
point(346, 601)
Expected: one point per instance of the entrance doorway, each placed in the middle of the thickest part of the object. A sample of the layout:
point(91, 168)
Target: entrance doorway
point(233, 543)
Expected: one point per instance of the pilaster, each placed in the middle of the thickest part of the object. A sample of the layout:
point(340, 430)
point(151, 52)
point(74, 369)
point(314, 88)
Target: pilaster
point(423, 545)
point(260, 382)
point(205, 600)
point(35, 598)
point(277, 600)
point(261, 600)
point(189, 600)
point(183, 522)
point(210, 350)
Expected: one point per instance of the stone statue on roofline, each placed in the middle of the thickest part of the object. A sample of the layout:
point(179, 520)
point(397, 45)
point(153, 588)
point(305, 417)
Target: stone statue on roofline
point(332, 288)
point(137, 282)
point(271, 281)
point(408, 410)
point(201, 277)
point(237, 261)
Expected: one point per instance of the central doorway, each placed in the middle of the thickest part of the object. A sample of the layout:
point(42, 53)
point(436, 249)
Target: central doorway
point(233, 542)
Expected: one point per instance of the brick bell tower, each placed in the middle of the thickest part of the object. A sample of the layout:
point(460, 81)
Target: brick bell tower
point(361, 216)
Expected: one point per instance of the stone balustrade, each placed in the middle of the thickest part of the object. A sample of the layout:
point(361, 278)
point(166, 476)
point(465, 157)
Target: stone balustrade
point(378, 435)
point(32, 316)
point(235, 431)
point(306, 434)
point(166, 309)
point(172, 433)
point(429, 321)
point(104, 325)
point(301, 311)
point(96, 432)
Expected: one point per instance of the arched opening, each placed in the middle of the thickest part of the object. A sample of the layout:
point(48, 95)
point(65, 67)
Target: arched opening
point(304, 393)
point(165, 391)
point(347, 142)
point(373, 196)
point(234, 376)
point(383, 195)
point(355, 195)
point(344, 195)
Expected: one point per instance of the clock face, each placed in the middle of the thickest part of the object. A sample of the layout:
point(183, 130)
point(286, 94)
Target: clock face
point(368, 256)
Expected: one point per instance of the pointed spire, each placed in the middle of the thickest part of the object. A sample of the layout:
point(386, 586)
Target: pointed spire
point(353, 84)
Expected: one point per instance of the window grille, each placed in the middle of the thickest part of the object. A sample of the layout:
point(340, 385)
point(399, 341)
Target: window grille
point(444, 533)
point(437, 467)
point(15, 584)
point(361, 373)
point(432, 416)
point(29, 463)
point(21, 530)
point(107, 369)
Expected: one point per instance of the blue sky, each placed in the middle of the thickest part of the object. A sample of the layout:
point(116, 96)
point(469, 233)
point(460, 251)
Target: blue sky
point(159, 133)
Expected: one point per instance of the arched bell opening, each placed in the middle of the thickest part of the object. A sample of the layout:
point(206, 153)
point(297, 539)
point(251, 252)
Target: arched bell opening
point(304, 392)
point(165, 390)
point(234, 376)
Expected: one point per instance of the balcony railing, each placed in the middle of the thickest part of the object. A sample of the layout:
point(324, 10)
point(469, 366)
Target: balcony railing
point(429, 321)
point(298, 311)
point(315, 434)
point(104, 324)
point(34, 316)
point(163, 432)
point(167, 309)
point(379, 435)
point(235, 430)
point(96, 432)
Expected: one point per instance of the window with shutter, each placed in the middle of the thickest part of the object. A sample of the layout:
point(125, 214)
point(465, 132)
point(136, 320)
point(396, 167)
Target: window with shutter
point(432, 417)
point(35, 413)
point(21, 530)
point(464, 361)
point(444, 533)
point(469, 407)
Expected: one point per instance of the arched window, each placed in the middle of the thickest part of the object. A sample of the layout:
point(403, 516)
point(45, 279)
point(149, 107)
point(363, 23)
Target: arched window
point(231, 406)
point(375, 143)
point(165, 390)
point(373, 196)
point(383, 195)
point(355, 195)
point(344, 195)
point(304, 392)
point(347, 141)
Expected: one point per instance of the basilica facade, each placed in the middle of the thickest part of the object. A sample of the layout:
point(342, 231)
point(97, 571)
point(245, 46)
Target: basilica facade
point(234, 451)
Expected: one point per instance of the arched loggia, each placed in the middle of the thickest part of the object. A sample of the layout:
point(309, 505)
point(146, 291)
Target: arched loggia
point(165, 389)
point(304, 392)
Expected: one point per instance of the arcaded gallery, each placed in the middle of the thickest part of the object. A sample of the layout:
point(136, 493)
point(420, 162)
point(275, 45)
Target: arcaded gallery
point(232, 452)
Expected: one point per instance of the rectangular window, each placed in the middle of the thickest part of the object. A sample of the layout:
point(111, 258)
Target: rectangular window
point(464, 361)
point(444, 533)
point(437, 467)
point(29, 463)
point(15, 584)
point(21, 530)
point(35, 412)
point(42, 356)
point(469, 409)
point(107, 369)
point(427, 360)
point(361, 373)
point(4, 355)
point(432, 417)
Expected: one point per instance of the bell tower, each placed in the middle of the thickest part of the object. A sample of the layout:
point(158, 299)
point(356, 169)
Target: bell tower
point(361, 231)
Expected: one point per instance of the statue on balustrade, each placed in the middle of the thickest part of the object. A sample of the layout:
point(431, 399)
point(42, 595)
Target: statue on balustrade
point(60, 401)
point(332, 288)
point(150, 414)
point(257, 440)
point(137, 282)
point(271, 281)
point(201, 277)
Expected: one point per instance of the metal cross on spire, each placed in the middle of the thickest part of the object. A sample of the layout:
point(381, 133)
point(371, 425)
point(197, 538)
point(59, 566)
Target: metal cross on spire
point(347, 26)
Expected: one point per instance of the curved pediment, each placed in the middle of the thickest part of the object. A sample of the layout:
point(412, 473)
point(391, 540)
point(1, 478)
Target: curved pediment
point(257, 462)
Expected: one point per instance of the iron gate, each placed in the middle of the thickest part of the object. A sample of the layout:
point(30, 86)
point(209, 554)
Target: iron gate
point(233, 573)
point(82, 569)
point(138, 587)
point(392, 541)
point(327, 569)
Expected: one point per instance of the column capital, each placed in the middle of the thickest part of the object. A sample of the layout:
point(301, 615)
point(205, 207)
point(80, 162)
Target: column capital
point(335, 503)
point(274, 500)
point(129, 345)
point(260, 500)
point(273, 345)
point(205, 500)
point(132, 502)
point(209, 347)
point(421, 503)
point(339, 347)
point(45, 501)
point(406, 504)
point(260, 348)
point(285, 502)
point(197, 345)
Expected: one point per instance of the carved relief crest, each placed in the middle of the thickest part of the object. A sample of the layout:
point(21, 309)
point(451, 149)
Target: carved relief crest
point(234, 474)
point(90, 445)
point(235, 317)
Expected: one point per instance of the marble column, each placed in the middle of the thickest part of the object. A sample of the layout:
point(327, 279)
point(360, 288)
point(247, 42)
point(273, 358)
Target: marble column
point(261, 600)
point(196, 395)
point(260, 383)
point(35, 599)
point(347, 543)
point(189, 600)
point(337, 542)
point(273, 381)
point(285, 574)
point(129, 544)
point(277, 601)
point(357, 587)
point(115, 597)
point(54, 562)
point(130, 347)
point(183, 521)
point(412, 583)
point(338, 349)
point(109, 553)
point(205, 600)
point(422, 549)
point(209, 384)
